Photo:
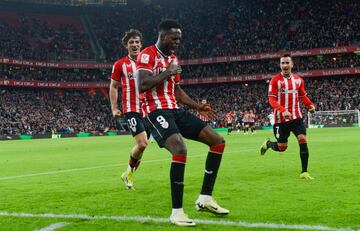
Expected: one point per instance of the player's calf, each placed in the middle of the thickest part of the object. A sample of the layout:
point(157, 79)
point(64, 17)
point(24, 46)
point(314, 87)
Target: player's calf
point(304, 152)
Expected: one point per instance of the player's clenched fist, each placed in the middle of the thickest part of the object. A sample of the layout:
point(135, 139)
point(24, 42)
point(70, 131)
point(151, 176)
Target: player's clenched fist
point(287, 115)
point(173, 68)
point(312, 109)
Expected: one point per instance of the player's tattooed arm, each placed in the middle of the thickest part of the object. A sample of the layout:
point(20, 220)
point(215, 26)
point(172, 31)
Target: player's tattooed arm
point(146, 79)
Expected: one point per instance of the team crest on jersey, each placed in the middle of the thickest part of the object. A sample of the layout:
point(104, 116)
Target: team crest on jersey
point(145, 58)
point(297, 82)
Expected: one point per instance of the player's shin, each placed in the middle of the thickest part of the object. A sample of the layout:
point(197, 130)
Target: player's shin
point(304, 156)
point(177, 171)
point(133, 163)
point(212, 165)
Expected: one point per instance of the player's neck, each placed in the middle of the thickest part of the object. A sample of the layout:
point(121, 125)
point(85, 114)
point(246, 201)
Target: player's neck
point(286, 75)
point(133, 57)
point(162, 48)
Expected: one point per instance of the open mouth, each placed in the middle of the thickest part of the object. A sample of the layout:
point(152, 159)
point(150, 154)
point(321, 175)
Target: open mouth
point(134, 49)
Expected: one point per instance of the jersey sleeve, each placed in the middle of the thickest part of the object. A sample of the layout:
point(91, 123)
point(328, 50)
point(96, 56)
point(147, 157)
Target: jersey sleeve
point(302, 95)
point(146, 60)
point(302, 91)
point(117, 72)
point(177, 76)
point(273, 89)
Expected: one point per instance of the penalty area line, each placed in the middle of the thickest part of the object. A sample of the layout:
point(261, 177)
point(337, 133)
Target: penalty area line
point(142, 219)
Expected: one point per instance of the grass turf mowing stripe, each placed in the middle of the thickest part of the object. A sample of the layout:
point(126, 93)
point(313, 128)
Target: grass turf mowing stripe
point(53, 226)
point(166, 220)
point(96, 167)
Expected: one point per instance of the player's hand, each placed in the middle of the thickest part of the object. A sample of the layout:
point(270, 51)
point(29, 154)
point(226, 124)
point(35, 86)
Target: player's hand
point(116, 113)
point(206, 110)
point(312, 108)
point(173, 69)
point(287, 115)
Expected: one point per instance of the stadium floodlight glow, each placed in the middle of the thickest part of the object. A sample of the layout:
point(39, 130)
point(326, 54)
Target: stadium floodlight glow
point(343, 118)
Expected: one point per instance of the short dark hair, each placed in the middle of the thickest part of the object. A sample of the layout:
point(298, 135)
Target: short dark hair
point(131, 34)
point(286, 56)
point(168, 24)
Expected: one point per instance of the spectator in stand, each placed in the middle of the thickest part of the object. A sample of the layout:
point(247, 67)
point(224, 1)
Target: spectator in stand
point(37, 111)
point(237, 27)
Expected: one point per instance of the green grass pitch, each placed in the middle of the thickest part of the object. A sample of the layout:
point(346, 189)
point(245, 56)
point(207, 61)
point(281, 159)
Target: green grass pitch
point(82, 176)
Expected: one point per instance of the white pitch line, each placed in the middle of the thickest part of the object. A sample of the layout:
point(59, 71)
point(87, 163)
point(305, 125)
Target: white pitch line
point(142, 219)
point(95, 167)
point(53, 226)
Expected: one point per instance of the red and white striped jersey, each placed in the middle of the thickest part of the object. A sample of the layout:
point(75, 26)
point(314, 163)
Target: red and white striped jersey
point(163, 95)
point(124, 70)
point(287, 91)
point(203, 118)
point(229, 117)
point(251, 118)
point(246, 117)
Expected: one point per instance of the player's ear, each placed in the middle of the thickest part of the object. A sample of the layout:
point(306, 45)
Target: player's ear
point(162, 35)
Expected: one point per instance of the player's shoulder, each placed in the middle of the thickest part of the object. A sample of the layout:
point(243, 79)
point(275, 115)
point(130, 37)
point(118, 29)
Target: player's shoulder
point(119, 62)
point(276, 77)
point(296, 76)
point(149, 50)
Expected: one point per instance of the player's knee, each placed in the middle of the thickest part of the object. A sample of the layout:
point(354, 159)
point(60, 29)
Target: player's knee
point(142, 145)
point(177, 146)
point(301, 139)
point(181, 149)
point(219, 140)
point(282, 148)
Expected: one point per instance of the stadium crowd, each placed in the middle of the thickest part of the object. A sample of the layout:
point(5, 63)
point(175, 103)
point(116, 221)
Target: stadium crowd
point(24, 111)
point(328, 94)
point(229, 28)
point(53, 74)
point(40, 111)
point(270, 66)
point(234, 27)
point(36, 39)
point(193, 71)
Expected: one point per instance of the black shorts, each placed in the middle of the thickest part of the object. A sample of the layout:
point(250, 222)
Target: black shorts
point(135, 123)
point(162, 123)
point(282, 130)
point(229, 125)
